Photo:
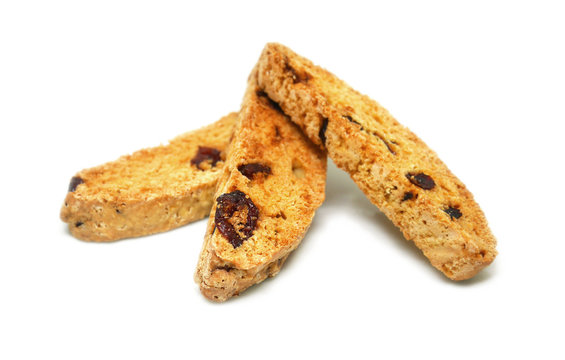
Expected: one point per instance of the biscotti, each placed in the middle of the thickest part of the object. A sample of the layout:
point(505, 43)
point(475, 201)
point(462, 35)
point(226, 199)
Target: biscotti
point(151, 190)
point(272, 182)
point(392, 166)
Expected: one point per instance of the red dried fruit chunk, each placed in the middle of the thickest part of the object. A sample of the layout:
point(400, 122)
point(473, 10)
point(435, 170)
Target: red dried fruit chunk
point(205, 153)
point(227, 205)
point(421, 180)
point(75, 181)
point(408, 196)
point(249, 170)
point(453, 212)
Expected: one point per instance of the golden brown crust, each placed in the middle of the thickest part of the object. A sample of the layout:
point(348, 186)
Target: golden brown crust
point(393, 167)
point(149, 191)
point(286, 198)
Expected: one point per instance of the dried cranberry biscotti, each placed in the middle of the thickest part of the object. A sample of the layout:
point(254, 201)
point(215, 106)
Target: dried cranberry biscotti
point(151, 190)
point(392, 166)
point(272, 183)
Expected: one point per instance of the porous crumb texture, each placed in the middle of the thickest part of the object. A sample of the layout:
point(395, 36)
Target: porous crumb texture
point(273, 167)
point(151, 190)
point(392, 166)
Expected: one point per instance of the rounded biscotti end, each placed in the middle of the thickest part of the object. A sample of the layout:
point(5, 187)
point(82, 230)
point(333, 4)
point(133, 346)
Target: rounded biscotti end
point(461, 266)
point(466, 268)
point(456, 240)
point(219, 280)
point(226, 282)
point(219, 285)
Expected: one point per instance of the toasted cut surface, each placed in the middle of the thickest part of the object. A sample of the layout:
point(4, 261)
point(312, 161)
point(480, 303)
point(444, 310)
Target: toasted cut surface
point(151, 190)
point(272, 183)
point(397, 171)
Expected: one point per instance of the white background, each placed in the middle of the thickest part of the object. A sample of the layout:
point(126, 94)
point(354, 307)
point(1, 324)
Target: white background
point(82, 83)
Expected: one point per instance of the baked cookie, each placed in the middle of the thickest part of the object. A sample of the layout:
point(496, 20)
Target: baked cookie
point(392, 166)
point(272, 183)
point(151, 190)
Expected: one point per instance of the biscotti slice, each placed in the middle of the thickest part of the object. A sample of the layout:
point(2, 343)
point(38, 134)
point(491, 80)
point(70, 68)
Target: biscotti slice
point(391, 165)
point(272, 183)
point(151, 190)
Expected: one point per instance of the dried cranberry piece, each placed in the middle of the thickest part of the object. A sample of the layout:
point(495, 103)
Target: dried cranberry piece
point(249, 170)
point(453, 212)
point(227, 205)
point(421, 180)
point(75, 181)
point(205, 153)
point(408, 196)
point(322, 133)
